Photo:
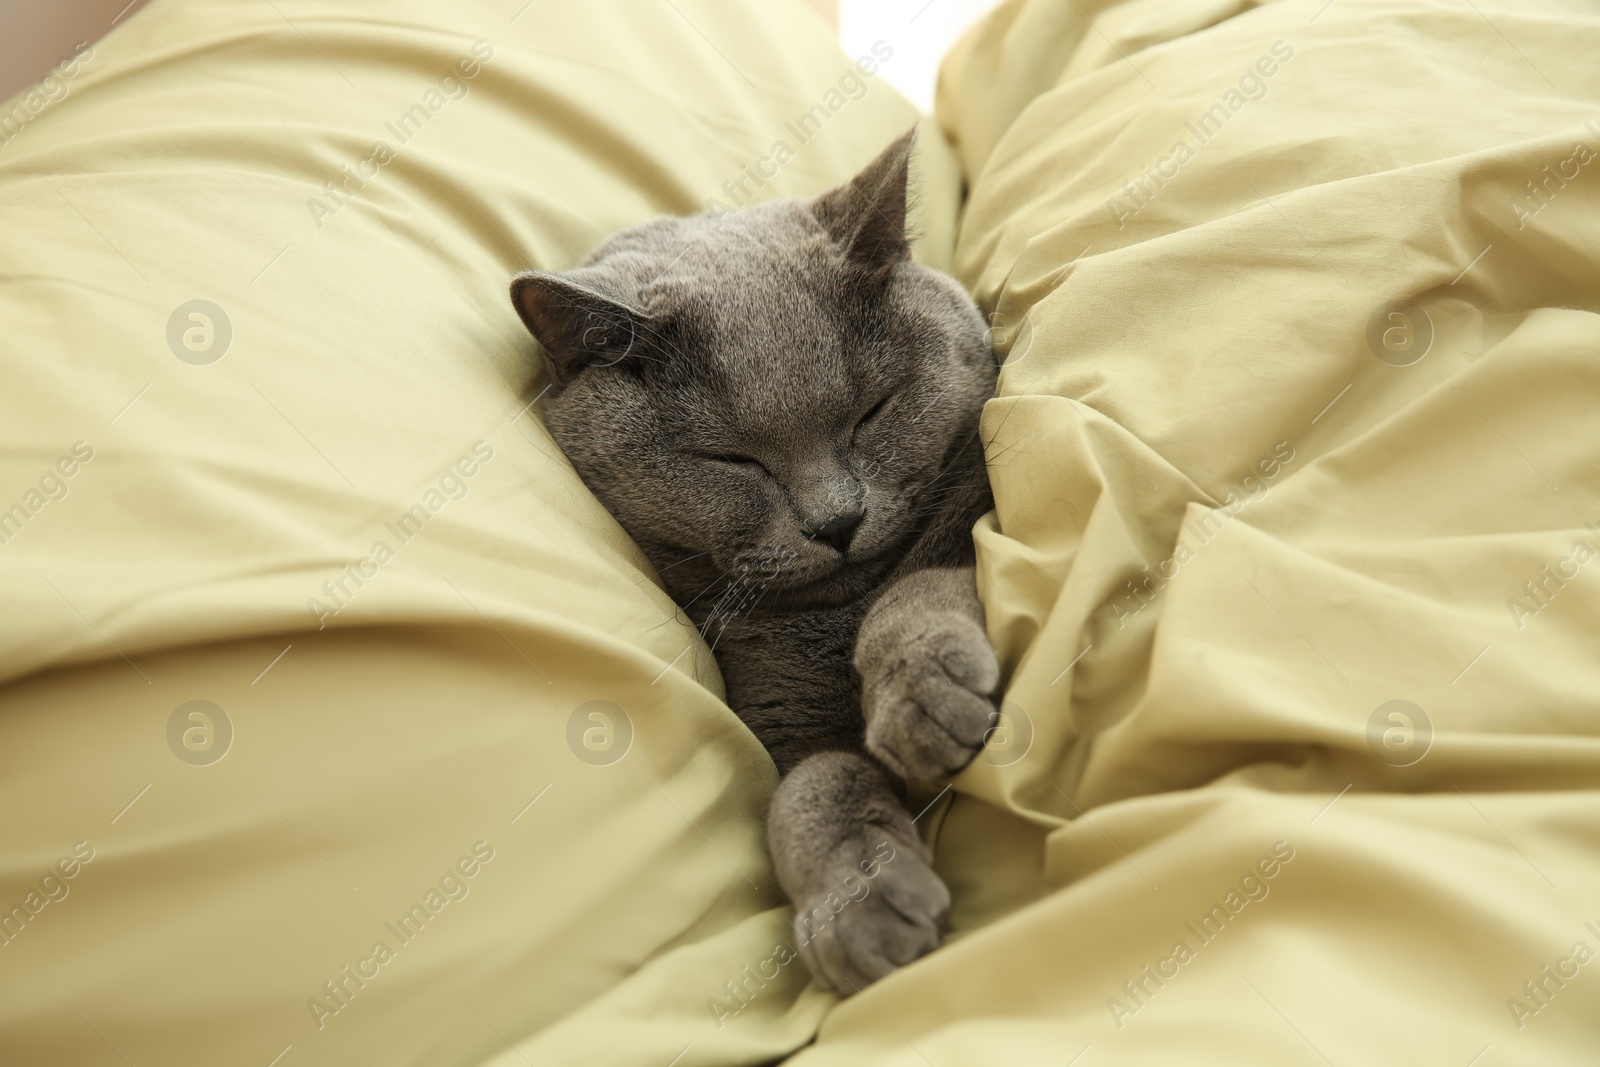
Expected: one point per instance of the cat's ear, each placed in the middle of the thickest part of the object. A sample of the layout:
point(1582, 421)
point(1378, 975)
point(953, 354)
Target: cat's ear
point(867, 216)
point(574, 323)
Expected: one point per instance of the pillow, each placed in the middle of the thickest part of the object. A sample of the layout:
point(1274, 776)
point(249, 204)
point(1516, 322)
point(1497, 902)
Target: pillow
point(342, 725)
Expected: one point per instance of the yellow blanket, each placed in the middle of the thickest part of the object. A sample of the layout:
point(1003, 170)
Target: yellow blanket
point(1295, 562)
point(340, 724)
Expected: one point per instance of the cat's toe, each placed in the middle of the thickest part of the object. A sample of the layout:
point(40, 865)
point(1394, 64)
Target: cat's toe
point(928, 712)
point(900, 917)
point(932, 733)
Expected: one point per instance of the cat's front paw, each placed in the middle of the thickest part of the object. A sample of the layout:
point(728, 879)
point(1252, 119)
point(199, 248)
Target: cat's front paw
point(926, 681)
point(874, 907)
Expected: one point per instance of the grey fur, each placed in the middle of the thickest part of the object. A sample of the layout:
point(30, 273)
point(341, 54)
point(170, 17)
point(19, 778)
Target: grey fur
point(710, 378)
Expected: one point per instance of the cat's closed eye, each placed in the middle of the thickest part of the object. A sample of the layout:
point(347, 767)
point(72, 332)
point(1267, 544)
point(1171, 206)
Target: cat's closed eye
point(873, 412)
point(733, 459)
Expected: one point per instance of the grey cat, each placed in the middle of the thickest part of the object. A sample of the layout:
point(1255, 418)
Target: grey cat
point(781, 408)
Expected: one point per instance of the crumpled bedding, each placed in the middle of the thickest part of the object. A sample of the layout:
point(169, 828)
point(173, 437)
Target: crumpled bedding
point(1293, 560)
point(341, 725)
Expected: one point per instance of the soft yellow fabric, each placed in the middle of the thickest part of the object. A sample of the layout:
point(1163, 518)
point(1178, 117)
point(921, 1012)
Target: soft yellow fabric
point(375, 364)
point(1192, 378)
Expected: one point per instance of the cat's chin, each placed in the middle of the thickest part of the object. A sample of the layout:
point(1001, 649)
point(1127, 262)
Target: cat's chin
point(847, 578)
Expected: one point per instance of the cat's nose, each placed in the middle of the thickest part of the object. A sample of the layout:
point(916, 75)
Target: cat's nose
point(838, 530)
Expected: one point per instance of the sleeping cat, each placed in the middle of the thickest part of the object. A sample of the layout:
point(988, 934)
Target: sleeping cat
point(781, 408)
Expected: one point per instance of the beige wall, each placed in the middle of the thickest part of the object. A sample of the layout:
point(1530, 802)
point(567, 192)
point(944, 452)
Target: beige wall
point(36, 34)
point(919, 31)
point(828, 9)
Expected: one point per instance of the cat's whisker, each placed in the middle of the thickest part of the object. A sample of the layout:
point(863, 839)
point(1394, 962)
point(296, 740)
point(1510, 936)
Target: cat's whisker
point(684, 560)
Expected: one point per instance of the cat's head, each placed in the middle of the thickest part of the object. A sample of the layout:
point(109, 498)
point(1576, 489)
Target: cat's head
point(769, 393)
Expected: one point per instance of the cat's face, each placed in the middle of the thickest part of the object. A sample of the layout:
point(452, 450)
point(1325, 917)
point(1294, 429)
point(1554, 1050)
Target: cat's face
point(768, 396)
